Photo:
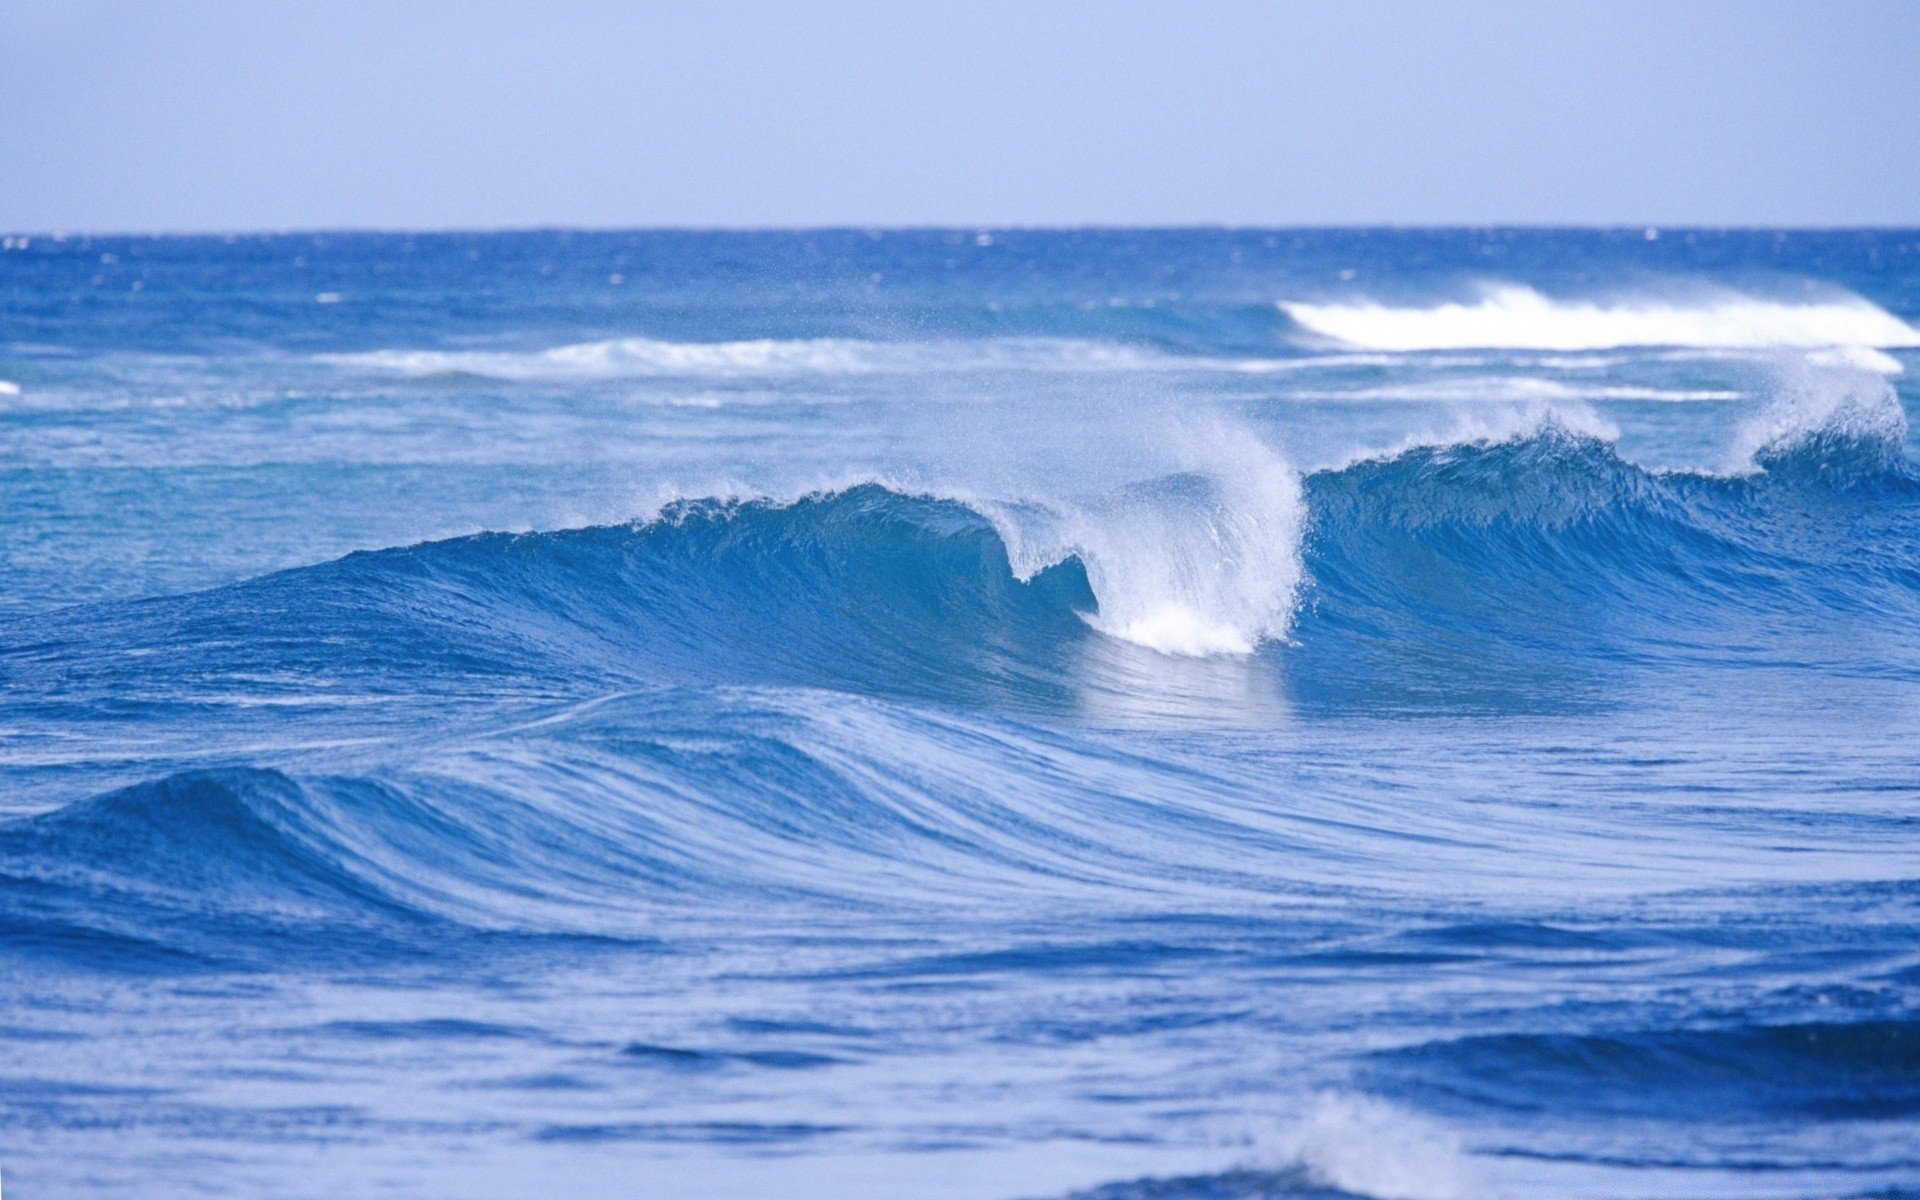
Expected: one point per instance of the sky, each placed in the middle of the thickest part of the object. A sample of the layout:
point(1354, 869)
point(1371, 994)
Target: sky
point(210, 115)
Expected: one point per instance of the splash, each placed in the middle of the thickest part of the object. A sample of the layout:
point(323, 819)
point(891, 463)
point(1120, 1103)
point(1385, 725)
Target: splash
point(1370, 1148)
point(1202, 562)
point(1833, 415)
point(1336, 1145)
point(1515, 317)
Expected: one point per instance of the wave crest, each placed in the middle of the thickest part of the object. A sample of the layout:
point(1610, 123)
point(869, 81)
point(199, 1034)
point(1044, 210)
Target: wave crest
point(1520, 318)
point(1199, 563)
point(1498, 571)
point(1830, 423)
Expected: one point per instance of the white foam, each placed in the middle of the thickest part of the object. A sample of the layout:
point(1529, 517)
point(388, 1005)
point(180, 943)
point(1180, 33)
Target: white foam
point(1198, 565)
point(1205, 562)
point(1367, 1147)
point(1180, 629)
point(1860, 358)
point(619, 357)
point(1518, 423)
point(1488, 425)
point(1506, 389)
point(1820, 398)
point(1514, 317)
point(9, 388)
point(637, 357)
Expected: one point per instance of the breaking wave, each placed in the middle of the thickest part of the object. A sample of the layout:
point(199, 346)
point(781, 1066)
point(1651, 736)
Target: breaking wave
point(1525, 571)
point(1514, 317)
point(639, 357)
point(1515, 532)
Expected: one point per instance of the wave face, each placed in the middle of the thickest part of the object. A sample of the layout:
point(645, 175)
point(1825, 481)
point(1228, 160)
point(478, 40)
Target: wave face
point(1441, 564)
point(961, 714)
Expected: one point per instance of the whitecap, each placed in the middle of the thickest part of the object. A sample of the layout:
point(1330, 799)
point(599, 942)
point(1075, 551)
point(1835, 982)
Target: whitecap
point(1514, 317)
point(639, 357)
point(1201, 563)
point(1816, 403)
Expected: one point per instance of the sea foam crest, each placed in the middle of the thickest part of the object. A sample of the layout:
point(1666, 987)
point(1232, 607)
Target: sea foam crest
point(1202, 562)
point(1367, 1147)
point(1502, 425)
point(1844, 413)
point(1514, 317)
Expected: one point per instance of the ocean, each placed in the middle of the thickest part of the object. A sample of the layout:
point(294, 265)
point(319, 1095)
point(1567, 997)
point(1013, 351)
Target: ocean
point(961, 714)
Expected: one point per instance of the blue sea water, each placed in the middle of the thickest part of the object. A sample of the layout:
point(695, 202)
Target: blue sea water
point(961, 714)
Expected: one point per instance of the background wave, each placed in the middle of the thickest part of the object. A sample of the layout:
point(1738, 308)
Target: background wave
point(1520, 317)
point(636, 357)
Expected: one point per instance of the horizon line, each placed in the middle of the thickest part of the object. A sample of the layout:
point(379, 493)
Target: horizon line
point(1660, 229)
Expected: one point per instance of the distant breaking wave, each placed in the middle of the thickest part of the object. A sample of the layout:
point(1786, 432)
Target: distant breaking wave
point(640, 357)
point(1849, 332)
point(1520, 318)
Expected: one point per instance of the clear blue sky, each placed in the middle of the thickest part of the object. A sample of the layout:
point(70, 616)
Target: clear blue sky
point(209, 115)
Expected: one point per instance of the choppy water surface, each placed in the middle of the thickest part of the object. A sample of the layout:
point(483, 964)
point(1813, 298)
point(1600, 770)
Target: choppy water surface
point(982, 714)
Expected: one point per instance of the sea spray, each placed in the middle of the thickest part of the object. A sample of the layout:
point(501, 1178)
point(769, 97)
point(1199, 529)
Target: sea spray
point(1205, 561)
point(1833, 415)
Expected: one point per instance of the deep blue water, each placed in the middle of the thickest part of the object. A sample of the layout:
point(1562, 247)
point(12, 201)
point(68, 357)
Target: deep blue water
point(971, 714)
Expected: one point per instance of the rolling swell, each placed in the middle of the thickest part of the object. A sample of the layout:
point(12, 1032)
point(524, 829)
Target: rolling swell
point(174, 869)
point(683, 766)
point(1429, 576)
point(1529, 571)
point(865, 590)
point(1818, 1071)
